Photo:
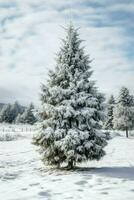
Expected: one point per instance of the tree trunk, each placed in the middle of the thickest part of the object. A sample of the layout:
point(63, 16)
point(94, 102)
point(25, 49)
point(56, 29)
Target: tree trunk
point(127, 132)
point(70, 164)
point(58, 165)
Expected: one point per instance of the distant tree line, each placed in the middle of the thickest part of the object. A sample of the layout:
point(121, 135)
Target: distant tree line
point(120, 112)
point(15, 113)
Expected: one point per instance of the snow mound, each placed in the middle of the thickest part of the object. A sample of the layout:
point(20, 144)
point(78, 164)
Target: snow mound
point(8, 137)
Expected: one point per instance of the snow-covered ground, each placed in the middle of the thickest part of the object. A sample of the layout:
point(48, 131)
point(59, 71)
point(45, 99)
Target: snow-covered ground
point(23, 177)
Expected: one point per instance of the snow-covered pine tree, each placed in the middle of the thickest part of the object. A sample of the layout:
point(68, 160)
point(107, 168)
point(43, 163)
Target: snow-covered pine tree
point(109, 116)
point(19, 119)
point(5, 114)
point(124, 111)
point(28, 117)
point(16, 109)
point(72, 109)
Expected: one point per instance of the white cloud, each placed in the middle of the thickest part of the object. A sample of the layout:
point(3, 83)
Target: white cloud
point(127, 7)
point(30, 40)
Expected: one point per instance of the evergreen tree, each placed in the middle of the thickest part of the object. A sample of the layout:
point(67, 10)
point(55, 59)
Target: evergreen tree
point(16, 109)
point(6, 115)
point(124, 111)
point(9, 112)
point(19, 119)
point(109, 117)
point(72, 109)
point(28, 116)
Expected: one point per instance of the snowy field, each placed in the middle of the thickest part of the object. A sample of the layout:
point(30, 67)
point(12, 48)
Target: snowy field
point(23, 177)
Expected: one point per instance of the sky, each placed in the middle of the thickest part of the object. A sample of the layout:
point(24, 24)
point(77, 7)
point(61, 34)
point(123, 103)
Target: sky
point(30, 37)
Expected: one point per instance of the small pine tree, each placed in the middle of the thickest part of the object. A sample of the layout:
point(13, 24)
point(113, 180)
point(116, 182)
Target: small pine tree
point(9, 112)
point(72, 109)
point(16, 109)
point(124, 111)
point(19, 119)
point(5, 114)
point(109, 116)
point(28, 116)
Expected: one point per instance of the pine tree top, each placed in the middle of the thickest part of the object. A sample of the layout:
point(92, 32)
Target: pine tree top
point(111, 100)
point(125, 99)
point(72, 63)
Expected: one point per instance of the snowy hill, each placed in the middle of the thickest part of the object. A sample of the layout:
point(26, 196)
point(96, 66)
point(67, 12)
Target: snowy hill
point(23, 176)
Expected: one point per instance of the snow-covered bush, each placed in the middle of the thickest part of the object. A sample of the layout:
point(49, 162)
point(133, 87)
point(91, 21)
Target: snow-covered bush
point(7, 137)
